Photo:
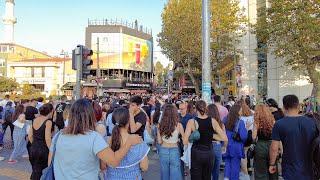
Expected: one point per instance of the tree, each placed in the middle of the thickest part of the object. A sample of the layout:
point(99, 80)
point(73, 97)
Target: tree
point(180, 38)
point(29, 92)
point(7, 84)
point(159, 73)
point(291, 29)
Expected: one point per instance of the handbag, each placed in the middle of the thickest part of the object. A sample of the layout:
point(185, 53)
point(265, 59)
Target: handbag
point(48, 173)
point(147, 138)
point(195, 135)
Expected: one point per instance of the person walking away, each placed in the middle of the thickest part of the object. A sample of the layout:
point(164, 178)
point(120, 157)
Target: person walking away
point(184, 118)
point(79, 148)
point(274, 108)
point(7, 119)
point(139, 119)
point(155, 117)
point(223, 111)
point(31, 111)
point(202, 158)
point(66, 115)
point(59, 121)
point(218, 146)
point(248, 119)
point(40, 138)
point(40, 102)
point(100, 127)
point(263, 124)
point(296, 134)
point(237, 136)
point(19, 135)
point(168, 137)
point(136, 160)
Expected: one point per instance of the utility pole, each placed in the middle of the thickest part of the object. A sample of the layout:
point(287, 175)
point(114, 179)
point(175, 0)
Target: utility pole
point(98, 68)
point(206, 67)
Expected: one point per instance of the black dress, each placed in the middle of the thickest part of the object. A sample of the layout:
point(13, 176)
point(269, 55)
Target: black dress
point(38, 152)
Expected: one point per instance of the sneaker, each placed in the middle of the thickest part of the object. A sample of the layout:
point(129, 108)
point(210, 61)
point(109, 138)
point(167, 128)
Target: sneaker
point(25, 156)
point(1, 158)
point(12, 161)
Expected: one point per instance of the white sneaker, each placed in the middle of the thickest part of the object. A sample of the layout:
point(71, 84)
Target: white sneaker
point(1, 158)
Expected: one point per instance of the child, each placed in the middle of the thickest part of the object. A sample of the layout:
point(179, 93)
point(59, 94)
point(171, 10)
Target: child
point(19, 135)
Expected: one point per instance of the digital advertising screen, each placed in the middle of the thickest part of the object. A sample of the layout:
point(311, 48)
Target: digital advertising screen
point(122, 51)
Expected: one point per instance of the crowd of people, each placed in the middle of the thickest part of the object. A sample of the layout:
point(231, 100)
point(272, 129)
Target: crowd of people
point(111, 138)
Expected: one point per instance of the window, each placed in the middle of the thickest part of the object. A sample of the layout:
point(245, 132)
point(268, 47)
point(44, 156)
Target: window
point(2, 62)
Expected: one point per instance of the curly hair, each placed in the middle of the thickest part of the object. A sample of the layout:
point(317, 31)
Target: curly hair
point(169, 121)
point(264, 119)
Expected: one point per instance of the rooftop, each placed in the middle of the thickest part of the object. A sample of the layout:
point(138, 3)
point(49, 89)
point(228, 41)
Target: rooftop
point(119, 22)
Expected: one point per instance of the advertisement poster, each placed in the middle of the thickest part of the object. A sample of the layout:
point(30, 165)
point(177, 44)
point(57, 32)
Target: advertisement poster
point(122, 51)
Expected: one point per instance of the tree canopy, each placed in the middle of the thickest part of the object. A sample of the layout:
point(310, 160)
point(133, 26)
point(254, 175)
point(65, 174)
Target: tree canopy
point(7, 84)
point(181, 40)
point(291, 29)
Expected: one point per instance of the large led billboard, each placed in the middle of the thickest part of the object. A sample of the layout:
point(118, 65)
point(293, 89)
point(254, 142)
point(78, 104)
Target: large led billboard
point(122, 51)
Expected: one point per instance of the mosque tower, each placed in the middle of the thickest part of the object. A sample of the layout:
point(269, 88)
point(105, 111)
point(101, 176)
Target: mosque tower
point(9, 20)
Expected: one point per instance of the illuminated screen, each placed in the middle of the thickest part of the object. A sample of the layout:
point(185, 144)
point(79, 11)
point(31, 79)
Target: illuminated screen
point(121, 51)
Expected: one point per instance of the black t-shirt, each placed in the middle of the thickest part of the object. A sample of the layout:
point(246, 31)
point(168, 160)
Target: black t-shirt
point(296, 135)
point(141, 118)
point(30, 113)
point(147, 109)
point(59, 116)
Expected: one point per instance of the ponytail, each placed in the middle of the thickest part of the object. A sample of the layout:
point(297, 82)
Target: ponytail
point(115, 138)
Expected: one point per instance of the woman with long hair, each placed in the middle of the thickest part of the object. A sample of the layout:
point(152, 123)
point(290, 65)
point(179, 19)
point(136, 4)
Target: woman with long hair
point(247, 118)
point(19, 135)
point(100, 125)
point(80, 145)
point(40, 139)
point(136, 159)
point(168, 137)
point(213, 112)
point(264, 122)
point(274, 108)
point(237, 136)
point(201, 152)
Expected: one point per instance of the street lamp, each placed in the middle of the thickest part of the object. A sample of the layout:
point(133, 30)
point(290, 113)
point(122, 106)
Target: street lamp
point(64, 54)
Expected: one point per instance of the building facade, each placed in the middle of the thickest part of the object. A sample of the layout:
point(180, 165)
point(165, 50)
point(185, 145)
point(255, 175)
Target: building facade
point(46, 75)
point(123, 53)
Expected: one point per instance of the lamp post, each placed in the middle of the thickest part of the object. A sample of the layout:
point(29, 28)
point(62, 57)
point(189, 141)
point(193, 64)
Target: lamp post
point(206, 67)
point(64, 54)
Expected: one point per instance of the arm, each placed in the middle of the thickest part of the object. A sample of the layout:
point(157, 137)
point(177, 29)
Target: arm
point(221, 135)
point(273, 153)
point(181, 130)
point(134, 126)
point(49, 158)
point(243, 131)
point(144, 164)
point(48, 133)
point(101, 129)
point(114, 158)
point(158, 136)
point(30, 134)
point(189, 129)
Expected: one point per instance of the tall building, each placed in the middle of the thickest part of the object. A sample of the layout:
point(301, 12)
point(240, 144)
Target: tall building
point(125, 54)
point(263, 73)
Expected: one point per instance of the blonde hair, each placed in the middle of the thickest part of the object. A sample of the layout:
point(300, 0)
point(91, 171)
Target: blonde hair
point(66, 112)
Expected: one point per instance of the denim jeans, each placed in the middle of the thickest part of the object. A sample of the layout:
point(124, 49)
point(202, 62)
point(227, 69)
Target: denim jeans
point(217, 160)
point(170, 163)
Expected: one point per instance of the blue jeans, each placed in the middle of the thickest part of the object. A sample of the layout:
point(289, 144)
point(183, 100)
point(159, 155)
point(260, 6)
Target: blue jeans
point(170, 163)
point(218, 158)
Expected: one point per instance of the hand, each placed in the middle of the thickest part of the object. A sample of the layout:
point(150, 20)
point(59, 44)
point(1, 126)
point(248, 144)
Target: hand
point(131, 111)
point(248, 124)
point(223, 150)
point(134, 139)
point(272, 169)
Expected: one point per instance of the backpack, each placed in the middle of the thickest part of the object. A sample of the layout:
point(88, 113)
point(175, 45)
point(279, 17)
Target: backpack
point(8, 115)
point(315, 152)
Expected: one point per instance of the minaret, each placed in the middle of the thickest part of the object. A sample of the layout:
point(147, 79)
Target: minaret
point(9, 20)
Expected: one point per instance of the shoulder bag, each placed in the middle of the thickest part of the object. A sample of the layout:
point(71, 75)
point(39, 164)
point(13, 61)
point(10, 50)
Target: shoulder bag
point(195, 135)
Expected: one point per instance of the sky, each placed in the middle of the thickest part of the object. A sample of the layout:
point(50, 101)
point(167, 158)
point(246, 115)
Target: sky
point(52, 25)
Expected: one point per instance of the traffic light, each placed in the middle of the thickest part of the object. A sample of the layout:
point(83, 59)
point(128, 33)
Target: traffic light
point(86, 61)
